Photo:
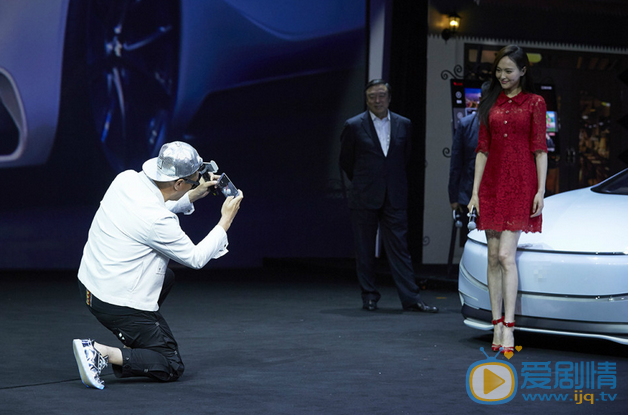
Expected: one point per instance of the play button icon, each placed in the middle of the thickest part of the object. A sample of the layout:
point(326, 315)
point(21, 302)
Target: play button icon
point(491, 381)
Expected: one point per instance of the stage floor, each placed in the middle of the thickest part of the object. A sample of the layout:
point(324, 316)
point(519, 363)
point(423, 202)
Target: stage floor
point(278, 340)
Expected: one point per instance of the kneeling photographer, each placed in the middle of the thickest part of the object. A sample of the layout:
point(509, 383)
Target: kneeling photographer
point(123, 276)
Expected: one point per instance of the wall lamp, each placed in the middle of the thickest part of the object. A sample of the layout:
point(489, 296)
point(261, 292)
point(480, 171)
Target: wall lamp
point(454, 24)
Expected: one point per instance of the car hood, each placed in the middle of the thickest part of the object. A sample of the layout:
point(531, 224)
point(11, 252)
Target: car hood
point(579, 221)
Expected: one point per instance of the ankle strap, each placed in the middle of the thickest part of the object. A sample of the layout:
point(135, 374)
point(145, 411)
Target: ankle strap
point(511, 324)
point(499, 320)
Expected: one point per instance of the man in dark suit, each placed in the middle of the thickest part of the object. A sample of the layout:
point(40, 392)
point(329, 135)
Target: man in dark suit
point(375, 149)
point(462, 168)
point(462, 164)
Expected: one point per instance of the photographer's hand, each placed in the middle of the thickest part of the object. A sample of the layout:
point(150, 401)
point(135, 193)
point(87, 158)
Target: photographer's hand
point(204, 188)
point(230, 209)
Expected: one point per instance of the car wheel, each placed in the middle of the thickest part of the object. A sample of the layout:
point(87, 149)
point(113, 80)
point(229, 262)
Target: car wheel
point(132, 53)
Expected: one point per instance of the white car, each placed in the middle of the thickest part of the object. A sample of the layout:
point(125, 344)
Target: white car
point(573, 277)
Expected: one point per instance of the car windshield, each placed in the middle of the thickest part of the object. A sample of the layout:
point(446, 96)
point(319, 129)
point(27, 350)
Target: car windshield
point(616, 185)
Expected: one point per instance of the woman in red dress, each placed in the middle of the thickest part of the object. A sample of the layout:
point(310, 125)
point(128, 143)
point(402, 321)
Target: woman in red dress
point(509, 181)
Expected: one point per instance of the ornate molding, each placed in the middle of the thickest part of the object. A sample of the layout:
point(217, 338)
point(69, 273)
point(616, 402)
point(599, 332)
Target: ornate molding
point(456, 74)
point(541, 45)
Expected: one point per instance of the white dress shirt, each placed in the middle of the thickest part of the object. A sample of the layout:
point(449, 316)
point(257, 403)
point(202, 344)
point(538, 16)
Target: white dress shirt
point(382, 127)
point(133, 236)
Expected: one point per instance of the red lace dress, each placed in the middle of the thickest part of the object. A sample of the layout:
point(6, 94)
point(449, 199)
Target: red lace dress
point(516, 131)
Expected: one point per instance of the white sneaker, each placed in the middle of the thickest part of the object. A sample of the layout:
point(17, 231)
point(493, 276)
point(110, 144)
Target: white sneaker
point(90, 363)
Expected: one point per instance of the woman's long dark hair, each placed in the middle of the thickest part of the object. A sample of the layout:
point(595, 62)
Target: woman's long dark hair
point(519, 57)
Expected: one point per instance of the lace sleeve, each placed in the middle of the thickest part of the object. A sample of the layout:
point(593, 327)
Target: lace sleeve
point(484, 139)
point(538, 141)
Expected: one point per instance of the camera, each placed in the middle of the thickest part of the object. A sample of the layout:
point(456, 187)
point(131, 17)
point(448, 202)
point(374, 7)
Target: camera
point(472, 216)
point(224, 183)
point(207, 168)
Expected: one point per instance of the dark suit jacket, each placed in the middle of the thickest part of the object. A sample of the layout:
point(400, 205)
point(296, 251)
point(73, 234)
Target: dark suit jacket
point(374, 176)
point(462, 163)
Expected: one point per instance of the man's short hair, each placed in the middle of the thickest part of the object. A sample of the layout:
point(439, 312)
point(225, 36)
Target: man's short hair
point(374, 82)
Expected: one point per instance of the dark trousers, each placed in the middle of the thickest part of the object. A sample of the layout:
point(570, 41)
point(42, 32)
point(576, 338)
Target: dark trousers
point(151, 350)
point(393, 224)
point(464, 230)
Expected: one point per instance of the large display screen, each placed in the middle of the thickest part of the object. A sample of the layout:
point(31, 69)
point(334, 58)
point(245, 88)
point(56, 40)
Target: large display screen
point(92, 88)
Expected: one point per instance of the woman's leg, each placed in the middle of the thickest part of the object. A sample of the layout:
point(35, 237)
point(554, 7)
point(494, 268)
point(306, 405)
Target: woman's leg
point(494, 280)
point(510, 282)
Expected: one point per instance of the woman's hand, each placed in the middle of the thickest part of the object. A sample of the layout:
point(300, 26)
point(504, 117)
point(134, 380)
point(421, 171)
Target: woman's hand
point(537, 205)
point(474, 203)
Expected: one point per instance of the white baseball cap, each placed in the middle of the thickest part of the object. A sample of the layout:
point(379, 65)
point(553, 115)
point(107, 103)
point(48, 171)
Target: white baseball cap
point(176, 160)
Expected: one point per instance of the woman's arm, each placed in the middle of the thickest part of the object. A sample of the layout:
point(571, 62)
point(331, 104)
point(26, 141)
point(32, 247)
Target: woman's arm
point(541, 174)
point(480, 163)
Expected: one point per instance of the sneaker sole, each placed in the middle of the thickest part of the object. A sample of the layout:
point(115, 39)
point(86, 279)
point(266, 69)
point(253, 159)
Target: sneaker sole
point(82, 363)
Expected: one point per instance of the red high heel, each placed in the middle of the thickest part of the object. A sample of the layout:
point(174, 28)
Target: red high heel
point(508, 349)
point(495, 347)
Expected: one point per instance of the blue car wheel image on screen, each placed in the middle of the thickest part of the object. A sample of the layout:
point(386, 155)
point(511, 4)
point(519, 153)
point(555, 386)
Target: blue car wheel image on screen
point(145, 67)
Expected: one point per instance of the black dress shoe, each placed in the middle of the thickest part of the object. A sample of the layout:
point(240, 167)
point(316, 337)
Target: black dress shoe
point(421, 306)
point(370, 305)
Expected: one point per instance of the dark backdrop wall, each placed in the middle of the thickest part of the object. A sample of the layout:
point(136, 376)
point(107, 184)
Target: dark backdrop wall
point(408, 76)
point(262, 89)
